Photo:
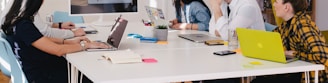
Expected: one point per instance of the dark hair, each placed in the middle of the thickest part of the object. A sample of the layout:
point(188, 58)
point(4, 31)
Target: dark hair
point(298, 5)
point(15, 14)
point(178, 5)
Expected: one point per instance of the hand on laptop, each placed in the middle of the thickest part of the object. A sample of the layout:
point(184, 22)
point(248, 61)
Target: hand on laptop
point(96, 45)
point(76, 40)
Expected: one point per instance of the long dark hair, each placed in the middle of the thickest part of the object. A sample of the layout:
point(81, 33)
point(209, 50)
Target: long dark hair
point(15, 13)
point(178, 5)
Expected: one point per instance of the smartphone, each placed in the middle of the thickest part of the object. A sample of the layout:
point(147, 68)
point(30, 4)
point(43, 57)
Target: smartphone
point(214, 42)
point(225, 52)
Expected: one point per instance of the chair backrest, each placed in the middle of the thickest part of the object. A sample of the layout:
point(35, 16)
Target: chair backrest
point(269, 27)
point(16, 73)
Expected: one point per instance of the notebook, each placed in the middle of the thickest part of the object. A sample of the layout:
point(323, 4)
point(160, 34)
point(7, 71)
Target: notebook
point(123, 56)
point(156, 15)
point(199, 38)
point(262, 45)
point(115, 36)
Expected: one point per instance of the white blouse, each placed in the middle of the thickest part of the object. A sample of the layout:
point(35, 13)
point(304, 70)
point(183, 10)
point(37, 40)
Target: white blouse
point(244, 14)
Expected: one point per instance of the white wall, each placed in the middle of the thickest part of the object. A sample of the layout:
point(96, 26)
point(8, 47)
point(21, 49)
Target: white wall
point(53, 5)
point(322, 14)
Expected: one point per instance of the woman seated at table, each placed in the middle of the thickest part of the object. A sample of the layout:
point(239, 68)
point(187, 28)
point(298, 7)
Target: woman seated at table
point(301, 39)
point(41, 56)
point(191, 15)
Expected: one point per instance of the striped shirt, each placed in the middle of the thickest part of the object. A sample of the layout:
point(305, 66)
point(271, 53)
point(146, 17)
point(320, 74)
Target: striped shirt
point(300, 34)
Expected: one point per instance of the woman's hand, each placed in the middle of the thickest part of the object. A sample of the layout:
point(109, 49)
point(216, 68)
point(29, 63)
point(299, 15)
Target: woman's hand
point(68, 25)
point(76, 40)
point(97, 45)
point(79, 32)
point(289, 54)
point(174, 21)
point(180, 26)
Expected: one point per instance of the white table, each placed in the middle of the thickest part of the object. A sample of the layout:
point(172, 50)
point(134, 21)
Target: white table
point(180, 60)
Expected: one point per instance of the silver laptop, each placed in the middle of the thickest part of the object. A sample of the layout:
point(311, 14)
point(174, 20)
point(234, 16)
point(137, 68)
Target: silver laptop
point(115, 36)
point(199, 38)
point(156, 15)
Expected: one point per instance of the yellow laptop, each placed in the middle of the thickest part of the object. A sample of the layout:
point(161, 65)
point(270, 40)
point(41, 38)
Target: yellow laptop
point(262, 45)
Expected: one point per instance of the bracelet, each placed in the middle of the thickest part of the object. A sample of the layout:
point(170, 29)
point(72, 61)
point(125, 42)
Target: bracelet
point(60, 25)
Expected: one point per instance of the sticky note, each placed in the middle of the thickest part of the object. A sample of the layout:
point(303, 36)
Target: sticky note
point(247, 66)
point(238, 51)
point(149, 60)
point(162, 42)
point(255, 63)
point(226, 43)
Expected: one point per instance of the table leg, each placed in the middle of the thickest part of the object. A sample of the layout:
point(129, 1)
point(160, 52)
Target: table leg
point(316, 74)
point(74, 74)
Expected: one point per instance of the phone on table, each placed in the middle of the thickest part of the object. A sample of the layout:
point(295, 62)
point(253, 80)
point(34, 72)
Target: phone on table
point(225, 52)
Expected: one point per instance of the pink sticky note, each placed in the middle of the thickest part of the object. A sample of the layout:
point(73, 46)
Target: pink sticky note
point(149, 60)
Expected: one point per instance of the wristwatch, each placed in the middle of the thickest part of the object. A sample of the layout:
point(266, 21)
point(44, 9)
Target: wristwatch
point(60, 25)
point(82, 43)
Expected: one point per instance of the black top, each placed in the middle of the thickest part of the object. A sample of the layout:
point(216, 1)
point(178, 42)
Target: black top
point(38, 66)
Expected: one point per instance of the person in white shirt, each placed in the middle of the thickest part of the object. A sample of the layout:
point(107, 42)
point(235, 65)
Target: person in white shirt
point(50, 30)
point(243, 13)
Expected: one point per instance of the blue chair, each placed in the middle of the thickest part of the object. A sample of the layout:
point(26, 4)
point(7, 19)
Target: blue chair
point(269, 27)
point(9, 64)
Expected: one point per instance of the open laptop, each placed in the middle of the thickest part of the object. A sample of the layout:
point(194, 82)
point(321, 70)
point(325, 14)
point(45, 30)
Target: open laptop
point(115, 36)
point(199, 38)
point(156, 15)
point(262, 45)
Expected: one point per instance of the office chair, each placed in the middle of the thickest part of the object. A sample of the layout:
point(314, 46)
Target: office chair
point(9, 63)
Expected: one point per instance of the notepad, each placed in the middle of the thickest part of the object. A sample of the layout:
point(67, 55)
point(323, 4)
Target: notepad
point(121, 57)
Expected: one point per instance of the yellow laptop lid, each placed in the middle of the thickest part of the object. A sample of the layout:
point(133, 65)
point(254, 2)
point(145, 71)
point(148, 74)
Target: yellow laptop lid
point(261, 44)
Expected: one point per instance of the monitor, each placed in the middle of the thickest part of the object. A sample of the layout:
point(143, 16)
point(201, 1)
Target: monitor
point(102, 7)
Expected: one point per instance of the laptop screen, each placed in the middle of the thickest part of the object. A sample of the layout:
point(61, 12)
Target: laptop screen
point(117, 32)
point(116, 21)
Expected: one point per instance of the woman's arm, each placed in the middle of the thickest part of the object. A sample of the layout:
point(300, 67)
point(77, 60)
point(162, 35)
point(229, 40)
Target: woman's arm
point(314, 43)
point(51, 46)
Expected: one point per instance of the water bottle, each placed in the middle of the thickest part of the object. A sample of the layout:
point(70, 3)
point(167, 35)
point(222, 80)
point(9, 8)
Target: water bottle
point(232, 39)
